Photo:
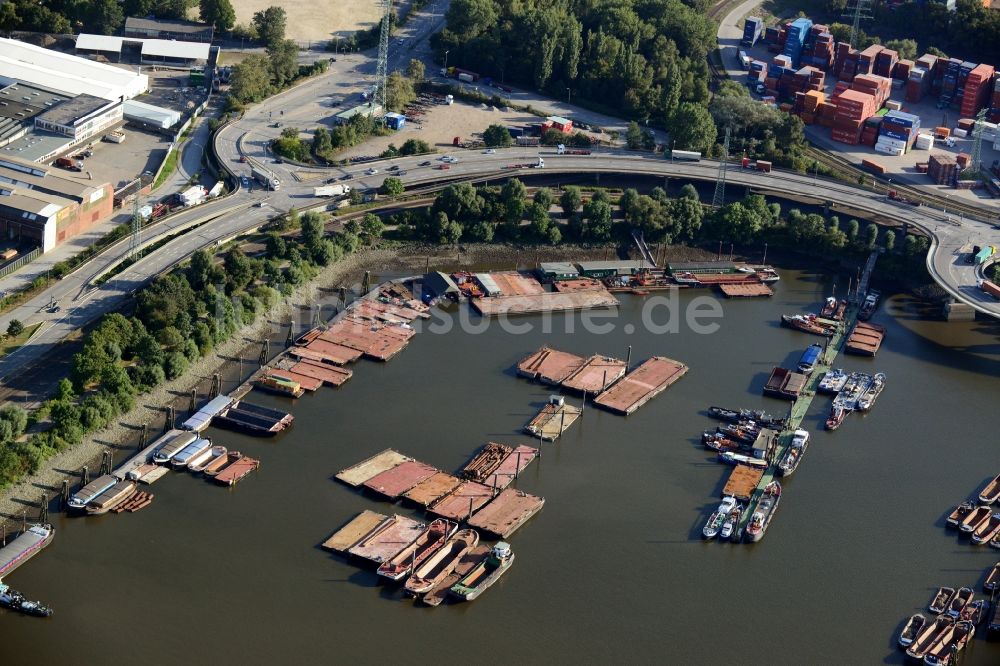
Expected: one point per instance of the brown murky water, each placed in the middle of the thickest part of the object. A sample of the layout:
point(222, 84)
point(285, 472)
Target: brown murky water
point(612, 570)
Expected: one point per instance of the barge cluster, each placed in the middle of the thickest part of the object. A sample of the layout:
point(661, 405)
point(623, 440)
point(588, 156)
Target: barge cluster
point(979, 520)
point(435, 558)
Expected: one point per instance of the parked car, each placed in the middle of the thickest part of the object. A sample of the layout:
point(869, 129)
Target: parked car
point(346, 176)
point(443, 166)
point(490, 151)
point(425, 163)
point(372, 171)
point(394, 167)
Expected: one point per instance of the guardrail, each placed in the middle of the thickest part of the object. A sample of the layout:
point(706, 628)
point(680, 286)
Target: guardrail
point(20, 262)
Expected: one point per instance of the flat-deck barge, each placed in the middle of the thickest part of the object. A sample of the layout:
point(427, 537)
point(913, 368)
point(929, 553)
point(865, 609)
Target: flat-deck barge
point(554, 419)
point(507, 512)
point(318, 349)
point(394, 482)
point(641, 385)
point(252, 419)
point(750, 290)
point(485, 461)
point(549, 366)
point(785, 384)
point(358, 528)
point(463, 502)
point(550, 301)
point(385, 542)
point(865, 339)
point(742, 482)
point(24, 546)
point(79, 500)
point(432, 489)
point(325, 373)
point(596, 375)
point(357, 474)
point(510, 467)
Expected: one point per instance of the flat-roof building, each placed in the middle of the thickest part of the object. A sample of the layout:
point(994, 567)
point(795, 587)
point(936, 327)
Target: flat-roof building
point(81, 117)
point(147, 114)
point(557, 270)
point(172, 52)
point(19, 103)
point(603, 269)
point(67, 74)
point(168, 29)
point(45, 206)
point(366, 109)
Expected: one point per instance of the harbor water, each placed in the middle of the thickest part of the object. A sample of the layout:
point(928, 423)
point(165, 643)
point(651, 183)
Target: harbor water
point(613, 569)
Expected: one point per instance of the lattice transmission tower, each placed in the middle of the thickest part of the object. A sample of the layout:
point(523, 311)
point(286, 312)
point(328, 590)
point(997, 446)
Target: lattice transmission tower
point(382, 69)
point(719, 199)
point(976, 161)
point(136, 240)
point(856, 11)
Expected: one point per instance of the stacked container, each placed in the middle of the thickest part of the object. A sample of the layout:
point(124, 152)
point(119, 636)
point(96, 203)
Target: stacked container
point(901, 72)
point(795, 39)
point(943, 169)
point(897, 133)
point(885, 62)
point(773, 38)
point(811, 104)
point(976, 90)
point(924, 142)
point(853, 108)
point(869, 131)
point(949, 80)
point(758, 71)
point(752, 29)
point(917, 85)
point(877, 86)
point(866, 59)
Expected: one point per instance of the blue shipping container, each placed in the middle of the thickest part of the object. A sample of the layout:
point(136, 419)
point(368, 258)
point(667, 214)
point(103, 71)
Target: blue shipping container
point(899, 136)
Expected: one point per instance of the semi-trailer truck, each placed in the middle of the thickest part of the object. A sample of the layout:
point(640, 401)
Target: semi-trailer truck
point(331, 191)
point(265, 177)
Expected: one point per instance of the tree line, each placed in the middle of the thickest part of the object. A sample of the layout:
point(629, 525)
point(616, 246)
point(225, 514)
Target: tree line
point(179, 318)
point(106, 17)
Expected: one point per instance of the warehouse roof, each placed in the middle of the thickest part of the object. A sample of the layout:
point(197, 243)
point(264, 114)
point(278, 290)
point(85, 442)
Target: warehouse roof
point(36, 145)
point(52, 183)
point(21, 101)
point(67, 73)
point(89, 42)
point(156, 115)
point(20, 200)
point(558, 267)
point(74, 110)
point(168, 48)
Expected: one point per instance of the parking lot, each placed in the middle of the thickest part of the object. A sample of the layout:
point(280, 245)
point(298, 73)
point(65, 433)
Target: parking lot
point(117, 163)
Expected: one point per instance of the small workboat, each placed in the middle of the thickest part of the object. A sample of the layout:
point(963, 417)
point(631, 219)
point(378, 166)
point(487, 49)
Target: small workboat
point(732, 520)
point(959, 514)
point(715, 522)
point(809, 358)
point(214, 467)
point(941, 600)
point(832, 381)
point(992, 579)
point(190, 452)
point(483, 576)
point(991, 493)
point(868, 306)
point(719, 442)
point(202, 462)
point(987, 531)
point(911, 629)
point(15, 601)
point(975, 518)
point(975, 612)
point(764, 513)
point(111, 498)
point(408, 559)
point(790, 462)
point(806, 324)
point(929, 635)
point(949, 644)
point(436, 568)
point(836, 417)
point(963, 597)
point(872, 392)
point(743, 416)
point(731, 458)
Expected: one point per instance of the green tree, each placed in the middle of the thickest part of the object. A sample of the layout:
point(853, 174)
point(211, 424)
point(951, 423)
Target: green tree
point(497, 136)
point(372, 227)
point(219, 13)
point(414, 147)
point(689, 191)
point(270, 24)
point(399, 92)
point(633, 136)
point(598, 215)
point(105, 16)
point(889, 240)
point(9, 20)
point(239, 270)
point(251, 79)
point(313, 229)
point(282, 57)
point(415, 70)
point(693, 128)
point(570, 200)
point(392, 187)
point(871, 236)
point(513, 194)
point(15, 328)
point(853, 228)
point(543, 198)
point(906, 48)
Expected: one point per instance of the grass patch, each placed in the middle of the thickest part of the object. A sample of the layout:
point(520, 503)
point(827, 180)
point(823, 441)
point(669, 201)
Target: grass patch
point(169, 165)
point(7, 345)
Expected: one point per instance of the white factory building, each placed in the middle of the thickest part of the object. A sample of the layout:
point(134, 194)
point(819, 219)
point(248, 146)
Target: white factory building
point(71, 74)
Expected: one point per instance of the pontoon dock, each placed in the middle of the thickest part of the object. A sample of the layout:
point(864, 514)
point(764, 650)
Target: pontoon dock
point(641, 385)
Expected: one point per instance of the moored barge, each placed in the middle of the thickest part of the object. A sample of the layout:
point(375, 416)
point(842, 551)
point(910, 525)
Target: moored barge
point(24, 546)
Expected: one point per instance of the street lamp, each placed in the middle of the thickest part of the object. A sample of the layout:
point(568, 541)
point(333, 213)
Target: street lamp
point(446, 62)
point(569, 96)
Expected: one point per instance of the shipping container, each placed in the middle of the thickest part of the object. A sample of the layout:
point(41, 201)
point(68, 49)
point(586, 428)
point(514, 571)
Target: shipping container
point(874, 166)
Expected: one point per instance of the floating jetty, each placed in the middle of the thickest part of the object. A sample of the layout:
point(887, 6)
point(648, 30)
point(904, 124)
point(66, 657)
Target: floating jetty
point(641, 385)
point(144, 456)
point(596, 374)
point(358, 528)
point(384, 543)
point(512, 283)
point(355, 475)
point(463, 501)
point(507, 512)
point(372, 338)
point(235, 472)
point(432, 489)
point(549, 301)
point(148, 473)
point(549, 366)
point(24, 546)
point(750, 290)
point(742, 482)
point(865, 339)
point(510, 467)
point(784, 383)
point(485, 461)
point(468, 562)
point(308, 369)
point(253, 419)
point(318, 349)
point(394, 482)
point(554, 419)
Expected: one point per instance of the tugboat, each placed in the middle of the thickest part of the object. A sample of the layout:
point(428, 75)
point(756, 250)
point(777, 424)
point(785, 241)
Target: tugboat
point(871, 393)
point(15, 601)
point(836, 417)
point(806, 324)
point(742, 433)
point(800, 442)
point(732, 520)
point(911, 630)
point(833, 309)
point(832, 382)
point(807, 363)
point(483, 576)
point(718, 518)
point(745, 416)
point(719, 442)
point(869, 306)
point(764, 512)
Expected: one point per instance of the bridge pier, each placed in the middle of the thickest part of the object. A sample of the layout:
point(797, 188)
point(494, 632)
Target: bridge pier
point(955, 311)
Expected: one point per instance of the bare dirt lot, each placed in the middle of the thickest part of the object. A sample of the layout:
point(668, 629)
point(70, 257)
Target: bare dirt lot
point(309, 21)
